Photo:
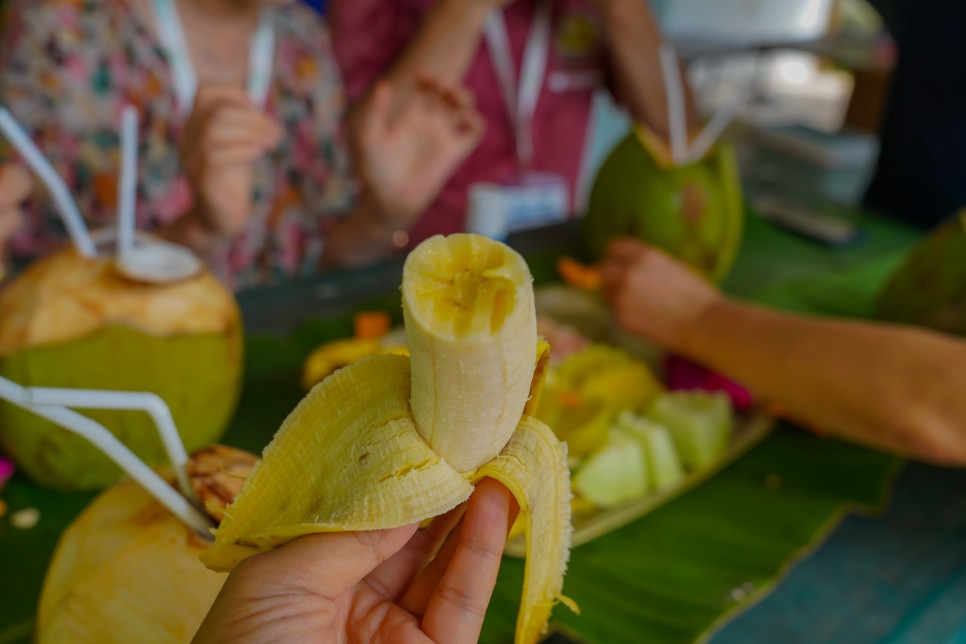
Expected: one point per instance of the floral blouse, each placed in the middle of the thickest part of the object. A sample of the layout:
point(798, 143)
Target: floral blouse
point(70, 66)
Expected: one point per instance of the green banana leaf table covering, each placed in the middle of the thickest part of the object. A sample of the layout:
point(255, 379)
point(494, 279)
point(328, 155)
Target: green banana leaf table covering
point(676, 575)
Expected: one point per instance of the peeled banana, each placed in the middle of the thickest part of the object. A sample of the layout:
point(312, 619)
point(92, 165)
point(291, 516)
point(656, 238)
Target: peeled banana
point(391, 441)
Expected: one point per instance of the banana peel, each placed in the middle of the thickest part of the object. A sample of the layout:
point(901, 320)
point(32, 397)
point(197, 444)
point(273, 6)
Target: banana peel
point(389, 441)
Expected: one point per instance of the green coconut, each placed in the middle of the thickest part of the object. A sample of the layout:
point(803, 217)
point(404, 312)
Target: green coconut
point(74, 322)
point(930, 288)
point(694, 211)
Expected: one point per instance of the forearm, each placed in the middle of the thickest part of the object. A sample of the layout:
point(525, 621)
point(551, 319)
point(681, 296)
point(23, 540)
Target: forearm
point(891, 387)
point(361, 238)
point(444, 45)
point(633, 48)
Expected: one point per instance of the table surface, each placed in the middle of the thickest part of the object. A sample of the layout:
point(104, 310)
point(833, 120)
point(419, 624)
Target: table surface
point(896, 578)
point(900, 577)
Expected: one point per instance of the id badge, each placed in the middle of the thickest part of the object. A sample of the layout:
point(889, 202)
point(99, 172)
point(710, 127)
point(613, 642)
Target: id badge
point(537, 199)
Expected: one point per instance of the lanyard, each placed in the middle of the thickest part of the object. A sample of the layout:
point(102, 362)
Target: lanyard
point(185, 80)
point(521, 97)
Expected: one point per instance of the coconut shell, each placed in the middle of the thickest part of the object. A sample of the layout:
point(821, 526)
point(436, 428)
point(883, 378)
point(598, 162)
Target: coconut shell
point(930, 288)
point(73, 322)
point(126, 571)
point(694, 212)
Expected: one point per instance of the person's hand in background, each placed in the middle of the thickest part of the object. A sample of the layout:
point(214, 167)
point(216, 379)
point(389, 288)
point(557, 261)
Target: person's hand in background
point(223, 137)
point(400, 585)
point(15, 188)
point(405, 156)
point(654, 295)
point(891, 387)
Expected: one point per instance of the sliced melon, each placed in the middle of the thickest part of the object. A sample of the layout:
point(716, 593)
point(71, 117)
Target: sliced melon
point(615, 474)
point(699, 423)
point(663, 461)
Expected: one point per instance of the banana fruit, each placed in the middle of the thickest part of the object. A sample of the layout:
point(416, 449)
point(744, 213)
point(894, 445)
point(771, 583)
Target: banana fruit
point(391, 441)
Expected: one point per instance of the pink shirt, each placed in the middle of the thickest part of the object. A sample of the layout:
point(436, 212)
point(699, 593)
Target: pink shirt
point(369, 34)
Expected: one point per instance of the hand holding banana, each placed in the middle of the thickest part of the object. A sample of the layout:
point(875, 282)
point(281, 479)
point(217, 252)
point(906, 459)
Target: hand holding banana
point(392, 441)
point(377, 586)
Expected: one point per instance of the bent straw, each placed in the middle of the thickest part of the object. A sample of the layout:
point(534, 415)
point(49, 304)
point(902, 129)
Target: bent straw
point(150, 404)
point(677, 119)
point(116, 451)
point(128, 183)
point(58, 190)
point(722, 118)
point(717, 125)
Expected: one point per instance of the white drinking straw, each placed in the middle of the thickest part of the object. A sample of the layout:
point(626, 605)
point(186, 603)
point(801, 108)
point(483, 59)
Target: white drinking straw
point(717, 125)
point(723, 117)
point(58, 190)
point(150, 404)
point(128, 182)
point(677, 118)
point(116, 451)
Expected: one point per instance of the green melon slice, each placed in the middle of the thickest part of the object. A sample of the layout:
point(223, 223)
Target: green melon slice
point(615, 474)
point(700, 425)
point(663, 461)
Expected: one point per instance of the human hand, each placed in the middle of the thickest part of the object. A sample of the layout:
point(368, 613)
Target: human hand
point(15, 187)
point(654, 295)
point(224, 135)
point(407, 153)
point(389, 586)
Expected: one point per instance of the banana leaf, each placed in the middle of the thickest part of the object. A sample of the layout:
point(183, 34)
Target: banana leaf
point(672, 576)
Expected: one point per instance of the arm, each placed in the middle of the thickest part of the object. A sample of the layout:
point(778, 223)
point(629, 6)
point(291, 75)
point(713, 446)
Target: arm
point(891, 387)
point(633, 43)
point(442, 47)
point(386, 586)
point(362, 238)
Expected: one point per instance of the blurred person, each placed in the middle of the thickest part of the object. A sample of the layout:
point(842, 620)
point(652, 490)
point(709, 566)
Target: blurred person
point(388, 586)
point(243, 154)
point(533, 66)
point(891, 387)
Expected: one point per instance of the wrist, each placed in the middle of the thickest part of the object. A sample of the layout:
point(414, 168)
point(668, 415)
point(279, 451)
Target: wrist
point(380, 223)
point(696, 338)
point(193, 230)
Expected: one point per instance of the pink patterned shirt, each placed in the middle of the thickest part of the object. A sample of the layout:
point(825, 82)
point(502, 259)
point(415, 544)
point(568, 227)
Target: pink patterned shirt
point(69, 66)
point(369, 34)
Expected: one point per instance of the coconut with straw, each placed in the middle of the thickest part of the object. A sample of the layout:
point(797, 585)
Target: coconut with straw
point(684, 198)
point(148, 318)
point(127, 569)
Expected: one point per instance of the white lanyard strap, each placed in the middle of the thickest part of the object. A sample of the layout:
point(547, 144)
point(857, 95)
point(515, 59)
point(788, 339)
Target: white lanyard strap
point(521, 98)
point(260, 58)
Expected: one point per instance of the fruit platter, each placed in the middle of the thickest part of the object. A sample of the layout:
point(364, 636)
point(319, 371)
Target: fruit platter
point(641, 428)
